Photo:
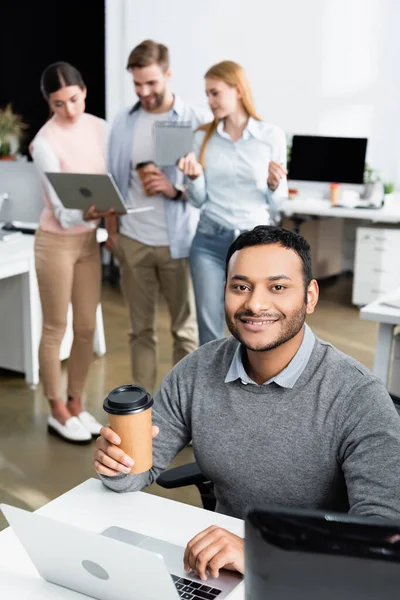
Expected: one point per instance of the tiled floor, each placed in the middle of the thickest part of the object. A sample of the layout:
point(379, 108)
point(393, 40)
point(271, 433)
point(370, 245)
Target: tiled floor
point(35, 467)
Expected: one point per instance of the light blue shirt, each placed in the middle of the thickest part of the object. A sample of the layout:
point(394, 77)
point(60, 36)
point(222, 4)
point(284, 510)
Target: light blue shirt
point(181, 217)
point(233, 190)
point(286, 378)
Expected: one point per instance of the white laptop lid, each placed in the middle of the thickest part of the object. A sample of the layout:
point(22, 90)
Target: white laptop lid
point(88, 562)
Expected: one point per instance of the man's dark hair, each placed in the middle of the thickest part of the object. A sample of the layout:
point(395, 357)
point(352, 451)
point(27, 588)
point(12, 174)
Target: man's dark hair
point(263, 235)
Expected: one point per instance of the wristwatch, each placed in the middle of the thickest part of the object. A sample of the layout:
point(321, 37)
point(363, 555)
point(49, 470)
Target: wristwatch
point(179, 191)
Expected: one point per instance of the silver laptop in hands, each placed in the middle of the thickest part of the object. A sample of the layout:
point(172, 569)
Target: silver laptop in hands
point(117, 565)
point(83, 190)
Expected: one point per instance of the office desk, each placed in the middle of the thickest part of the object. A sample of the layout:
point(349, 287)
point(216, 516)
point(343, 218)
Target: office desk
point(316, 207)
point(91, 506)
point(388, 318)
point(344, 239)
point(21, 313)
point(17, 259)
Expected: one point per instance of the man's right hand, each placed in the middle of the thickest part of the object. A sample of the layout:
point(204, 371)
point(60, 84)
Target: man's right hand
point(189, 166)
point(111, 241)
point(110, 460)
point(111, 222)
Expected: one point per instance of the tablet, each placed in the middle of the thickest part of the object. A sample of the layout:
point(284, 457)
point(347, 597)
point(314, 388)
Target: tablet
point(83, 190)
point(173, 139)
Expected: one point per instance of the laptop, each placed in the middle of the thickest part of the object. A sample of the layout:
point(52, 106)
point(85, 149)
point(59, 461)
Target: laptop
point(83, 190)
point(316, 555)
point(116, 565)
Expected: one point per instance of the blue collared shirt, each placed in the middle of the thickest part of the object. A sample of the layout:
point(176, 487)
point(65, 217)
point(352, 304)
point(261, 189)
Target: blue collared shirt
point(233, 190)
point(286, 378)
point(181, 217)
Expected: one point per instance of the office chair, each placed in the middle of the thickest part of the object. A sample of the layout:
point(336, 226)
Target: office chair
point(189, 474)
point(298, 221)
point(396, 402)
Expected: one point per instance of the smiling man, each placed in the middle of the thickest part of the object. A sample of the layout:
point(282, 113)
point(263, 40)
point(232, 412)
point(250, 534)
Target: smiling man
point(152, 247)
point(276, 415)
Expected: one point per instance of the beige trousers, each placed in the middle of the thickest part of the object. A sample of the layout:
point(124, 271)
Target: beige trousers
point(68, 270)
point(145, 272)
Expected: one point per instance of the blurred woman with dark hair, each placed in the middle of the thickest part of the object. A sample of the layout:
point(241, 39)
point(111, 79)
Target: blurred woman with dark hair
point(66, 251)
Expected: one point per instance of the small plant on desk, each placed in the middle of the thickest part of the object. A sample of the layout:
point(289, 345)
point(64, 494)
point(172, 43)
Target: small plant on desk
point(12, 128)
point(388, 188)
point(371, 175)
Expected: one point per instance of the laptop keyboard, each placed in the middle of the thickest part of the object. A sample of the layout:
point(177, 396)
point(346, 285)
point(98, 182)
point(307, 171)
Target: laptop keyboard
point(191, 590)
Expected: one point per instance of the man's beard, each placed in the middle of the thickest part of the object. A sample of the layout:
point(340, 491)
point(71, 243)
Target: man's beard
point(290, 327)
point(157, 100)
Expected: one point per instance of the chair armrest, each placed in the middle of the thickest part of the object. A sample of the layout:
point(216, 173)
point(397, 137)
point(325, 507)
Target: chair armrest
point(181, 476)
point(190, 475)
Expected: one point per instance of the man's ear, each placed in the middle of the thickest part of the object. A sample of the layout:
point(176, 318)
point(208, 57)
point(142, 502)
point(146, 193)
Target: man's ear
point(312, 296)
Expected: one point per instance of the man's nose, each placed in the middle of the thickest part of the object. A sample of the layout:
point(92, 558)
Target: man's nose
point(258, 301)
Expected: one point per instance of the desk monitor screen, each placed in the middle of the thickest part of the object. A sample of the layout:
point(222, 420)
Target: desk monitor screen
point(21, 182)
point(317, 555)
point(327, 159)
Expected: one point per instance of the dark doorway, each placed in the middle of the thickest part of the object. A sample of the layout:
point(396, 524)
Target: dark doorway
point(35, 34)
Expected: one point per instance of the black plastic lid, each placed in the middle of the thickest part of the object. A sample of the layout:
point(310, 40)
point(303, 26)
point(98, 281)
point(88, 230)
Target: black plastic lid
point(140, 165)
point(127, 400)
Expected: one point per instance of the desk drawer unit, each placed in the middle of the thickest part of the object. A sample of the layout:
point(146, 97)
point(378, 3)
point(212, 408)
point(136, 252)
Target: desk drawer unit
point(377, 263)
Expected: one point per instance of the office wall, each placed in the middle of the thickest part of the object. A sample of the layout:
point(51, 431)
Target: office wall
point(316, 66)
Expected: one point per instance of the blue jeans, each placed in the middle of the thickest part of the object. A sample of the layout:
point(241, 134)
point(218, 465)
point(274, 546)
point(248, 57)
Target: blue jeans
point(207, 264)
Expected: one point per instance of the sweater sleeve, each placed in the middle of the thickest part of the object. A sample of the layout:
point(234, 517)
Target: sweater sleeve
point(171, 414)
point(369, 450)
point(46, 160)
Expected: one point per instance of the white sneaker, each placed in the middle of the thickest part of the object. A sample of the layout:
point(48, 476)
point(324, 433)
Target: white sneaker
point(90, 423)
point(72, 431)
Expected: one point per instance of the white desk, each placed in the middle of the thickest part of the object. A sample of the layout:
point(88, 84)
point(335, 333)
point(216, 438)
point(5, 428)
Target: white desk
point(93, 507)
point(388, 318)
point(21, 314)
point(316, 207)
point(17, 259)
point(335, 233)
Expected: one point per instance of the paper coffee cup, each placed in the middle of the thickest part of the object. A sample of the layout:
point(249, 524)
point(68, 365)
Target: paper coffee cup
point(129, 411)
point(143, 169)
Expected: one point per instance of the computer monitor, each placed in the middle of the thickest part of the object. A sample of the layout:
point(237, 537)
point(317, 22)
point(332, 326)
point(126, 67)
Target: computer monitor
point(315, 555)
point(327, 159)
point(20, 180)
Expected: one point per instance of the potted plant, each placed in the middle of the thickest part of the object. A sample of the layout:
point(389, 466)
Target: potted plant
point(388, 188)
point(371, 175)
point(11, 131)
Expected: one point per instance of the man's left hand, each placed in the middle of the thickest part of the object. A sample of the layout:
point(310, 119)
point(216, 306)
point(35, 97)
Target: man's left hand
point(276, 172)
point(92, 213)
point(214, 549)
point(158, 183)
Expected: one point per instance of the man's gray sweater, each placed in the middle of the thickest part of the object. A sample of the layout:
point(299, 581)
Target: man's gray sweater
point(330, 442)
